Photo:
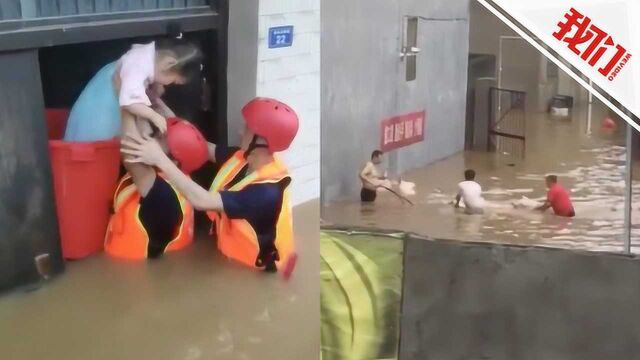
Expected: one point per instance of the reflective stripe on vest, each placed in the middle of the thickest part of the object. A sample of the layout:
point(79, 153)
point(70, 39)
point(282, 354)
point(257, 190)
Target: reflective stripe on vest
point(126, 236)
point(228, 171)
point(236, 237)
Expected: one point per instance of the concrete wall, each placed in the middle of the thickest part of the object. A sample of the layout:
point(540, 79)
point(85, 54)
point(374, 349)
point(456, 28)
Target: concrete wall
point(483, 301)
point(28, 222)
point(242, 62)
point(292, 75)
point(487, 29)
point(363, 82)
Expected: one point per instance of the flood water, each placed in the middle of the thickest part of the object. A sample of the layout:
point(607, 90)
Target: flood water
point(192, 304)
point(590, 166)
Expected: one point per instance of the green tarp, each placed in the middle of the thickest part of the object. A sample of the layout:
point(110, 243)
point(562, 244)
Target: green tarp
point(361, 286)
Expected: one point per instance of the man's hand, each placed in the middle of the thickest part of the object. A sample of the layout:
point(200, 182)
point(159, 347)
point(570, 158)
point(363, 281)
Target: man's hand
point(143, 150)
point(543, 207)
point(375, 182)
point(147, 151)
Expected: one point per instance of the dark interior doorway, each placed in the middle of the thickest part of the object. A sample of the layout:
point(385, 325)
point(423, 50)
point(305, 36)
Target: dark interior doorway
point(66, 69)
point(480, 66)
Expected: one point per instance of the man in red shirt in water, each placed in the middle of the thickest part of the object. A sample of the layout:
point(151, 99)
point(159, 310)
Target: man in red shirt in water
point(557, 199)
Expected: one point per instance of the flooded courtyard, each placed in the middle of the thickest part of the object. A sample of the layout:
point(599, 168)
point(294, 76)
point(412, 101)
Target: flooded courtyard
point(590, 166)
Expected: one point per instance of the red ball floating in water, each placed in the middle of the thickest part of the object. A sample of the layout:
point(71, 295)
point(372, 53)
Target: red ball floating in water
point(608, 124)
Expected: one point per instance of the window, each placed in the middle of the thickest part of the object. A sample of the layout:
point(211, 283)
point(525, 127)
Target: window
point(412, 42)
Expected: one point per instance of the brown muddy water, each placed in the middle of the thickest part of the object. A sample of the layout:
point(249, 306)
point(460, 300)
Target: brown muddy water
point(189, 305)
point(590, 166)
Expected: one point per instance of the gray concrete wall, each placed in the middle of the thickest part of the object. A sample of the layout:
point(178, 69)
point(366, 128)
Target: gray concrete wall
point(242, 67)
point(441, 86)
point(363, 82)
point(28, 222)
point(487, 28)
point(483, 301)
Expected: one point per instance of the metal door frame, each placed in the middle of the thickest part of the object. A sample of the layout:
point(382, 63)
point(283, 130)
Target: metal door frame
point(496, 117)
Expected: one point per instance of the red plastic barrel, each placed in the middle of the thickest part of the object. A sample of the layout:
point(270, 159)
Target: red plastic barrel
point(56, 123)
point(85, 176)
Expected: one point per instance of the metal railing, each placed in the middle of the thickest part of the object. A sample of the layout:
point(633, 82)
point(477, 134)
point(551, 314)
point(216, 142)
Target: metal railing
point(507, 122)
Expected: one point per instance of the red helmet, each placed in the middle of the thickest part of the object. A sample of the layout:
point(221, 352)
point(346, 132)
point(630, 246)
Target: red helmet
point(272, 120)
point(186, 145)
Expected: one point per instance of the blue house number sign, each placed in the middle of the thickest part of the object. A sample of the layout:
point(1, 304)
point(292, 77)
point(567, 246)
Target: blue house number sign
point(281, 36)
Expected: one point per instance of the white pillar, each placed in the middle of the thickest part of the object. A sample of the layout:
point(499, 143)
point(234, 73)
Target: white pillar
point(543, 86)
point(589, 110)
point(628, 191)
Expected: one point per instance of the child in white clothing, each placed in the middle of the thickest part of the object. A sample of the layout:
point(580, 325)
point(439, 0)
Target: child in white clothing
point(131, 89)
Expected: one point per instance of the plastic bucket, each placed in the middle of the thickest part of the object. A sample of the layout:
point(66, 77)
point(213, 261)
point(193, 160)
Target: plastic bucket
point(85, 176)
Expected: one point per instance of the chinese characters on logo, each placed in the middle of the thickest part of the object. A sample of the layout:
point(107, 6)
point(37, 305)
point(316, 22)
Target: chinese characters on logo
point(388, 135)
point(417, 125)
point(402, 130)
point(593, 44)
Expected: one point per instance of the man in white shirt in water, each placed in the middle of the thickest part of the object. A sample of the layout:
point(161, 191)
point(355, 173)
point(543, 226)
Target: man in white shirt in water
point(470, 192)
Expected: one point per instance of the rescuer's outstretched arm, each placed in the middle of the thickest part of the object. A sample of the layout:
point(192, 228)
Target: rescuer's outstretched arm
point(147, 150)
point(200, 198)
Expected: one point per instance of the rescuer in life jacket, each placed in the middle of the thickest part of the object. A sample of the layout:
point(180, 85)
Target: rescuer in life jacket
point(150, 216)
point(249, 199)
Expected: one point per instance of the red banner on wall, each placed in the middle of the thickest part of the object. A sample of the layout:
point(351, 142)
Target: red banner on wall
point(403, 130)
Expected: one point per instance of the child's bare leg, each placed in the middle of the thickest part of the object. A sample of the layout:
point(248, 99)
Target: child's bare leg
point(129, 127)
point(143, 127)
point(143, 175)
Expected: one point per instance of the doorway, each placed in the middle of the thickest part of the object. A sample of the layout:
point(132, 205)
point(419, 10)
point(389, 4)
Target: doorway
point(481, 67)
point(66, 69)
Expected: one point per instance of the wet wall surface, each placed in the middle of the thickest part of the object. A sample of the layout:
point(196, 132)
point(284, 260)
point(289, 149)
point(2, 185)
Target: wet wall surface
point(192, 304)
point(364, 82)
point(497, 302)
point(28, 223)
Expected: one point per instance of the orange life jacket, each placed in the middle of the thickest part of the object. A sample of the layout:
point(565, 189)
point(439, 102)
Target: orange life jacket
point(236, 237)
point(126, 236)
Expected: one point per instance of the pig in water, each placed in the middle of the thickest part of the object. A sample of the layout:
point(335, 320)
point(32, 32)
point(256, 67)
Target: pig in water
point(525, 203)
point(407, 188)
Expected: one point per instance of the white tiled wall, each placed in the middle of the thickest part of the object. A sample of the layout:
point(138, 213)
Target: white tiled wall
point(292, 75)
